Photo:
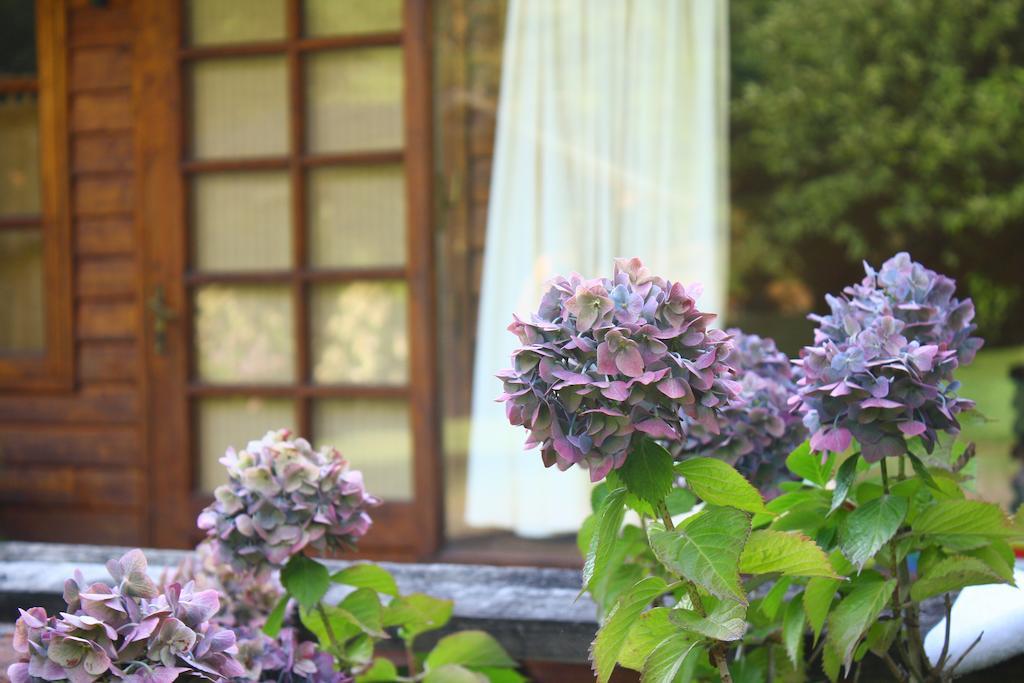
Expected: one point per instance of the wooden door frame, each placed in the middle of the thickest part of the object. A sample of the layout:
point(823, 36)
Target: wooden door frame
point(161, 228)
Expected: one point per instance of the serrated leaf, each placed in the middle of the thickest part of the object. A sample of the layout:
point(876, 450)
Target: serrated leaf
point(964, 524)
point(870, 527)
point(382, 671)
point(611, 637)
point(306, 580)
point(667, 660)
point(468, 648)
point(679, 501)
point(854, 614)
point(844, 480)
point(275, 619)
point(818, 601)
point(417, 613)
point(951, 574)
point(647, 472)
point(705, 549)
point(602, 542)
point(791, 554)
point(998, 555)
point(772, 600)
point(718, 483)
point(453, 673)
point(727, 621)
point(807, 465)
point(367, 576)
point(793, 630)
point(650, 629)
point(922, 471)
point(881, 636)
point(341, 624)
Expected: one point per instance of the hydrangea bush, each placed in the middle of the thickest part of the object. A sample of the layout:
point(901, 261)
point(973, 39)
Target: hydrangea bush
point(283, 498)
point(881, 367)
point(127, 631)
point(606, 362)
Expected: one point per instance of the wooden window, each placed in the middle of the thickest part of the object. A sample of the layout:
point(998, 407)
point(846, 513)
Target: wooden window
point(35, 317)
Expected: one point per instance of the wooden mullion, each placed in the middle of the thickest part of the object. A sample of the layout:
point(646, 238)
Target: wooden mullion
point(222, 165)
point(303, 277)
point(368, 158)
point(276, 47)
point(349, 42)
point(11, 86)
point(20, 222)
point(302, 390)
point(197, 52)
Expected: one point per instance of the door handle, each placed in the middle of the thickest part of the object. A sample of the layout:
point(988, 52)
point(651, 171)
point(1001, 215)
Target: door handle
point(162, 315)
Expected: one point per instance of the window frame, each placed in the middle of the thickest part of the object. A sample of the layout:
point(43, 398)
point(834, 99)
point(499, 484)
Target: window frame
point(53, 369)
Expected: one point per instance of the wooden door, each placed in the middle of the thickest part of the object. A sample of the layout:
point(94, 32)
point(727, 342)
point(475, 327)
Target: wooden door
point(284, 204)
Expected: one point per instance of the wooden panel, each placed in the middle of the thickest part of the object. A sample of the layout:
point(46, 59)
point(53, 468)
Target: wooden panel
point(106, 320)
point(92, 405)
point(90, 24)
point(31, 523)
point(112, 487)
point(101, 195)
point(101, 152)
point(68, 445)
point(100, 236)
point(101, 111)
point(108, 361)
point(106, 277)
point(100, 67)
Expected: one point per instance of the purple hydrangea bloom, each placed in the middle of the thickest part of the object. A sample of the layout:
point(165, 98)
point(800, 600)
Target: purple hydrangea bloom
point(285, 659)
point(126, 632)
point(881, 367)
point(283, 497)
point(758, 429)
point(605, 362)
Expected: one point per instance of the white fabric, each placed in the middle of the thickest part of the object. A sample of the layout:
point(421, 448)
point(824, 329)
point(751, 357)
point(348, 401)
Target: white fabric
point(611, 142)
point(994, 612)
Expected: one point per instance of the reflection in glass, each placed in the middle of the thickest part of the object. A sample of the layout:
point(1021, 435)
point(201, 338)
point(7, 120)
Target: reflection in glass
point(19, 155)
point(17, 39)
point(359, 333)
point(219, 22)
point(234, 422)
point(349, 17)
point(22, 321)
point(242, 221)
point(239, 107)
point(243, 334)
point(372, 435)
point(358, 217)
point(355, 100)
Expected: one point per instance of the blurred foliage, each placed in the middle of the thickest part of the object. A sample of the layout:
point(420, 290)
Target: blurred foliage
point(863, 127)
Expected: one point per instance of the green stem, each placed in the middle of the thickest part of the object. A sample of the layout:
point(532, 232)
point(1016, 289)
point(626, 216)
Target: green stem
point(335, 645)
point(410, 660)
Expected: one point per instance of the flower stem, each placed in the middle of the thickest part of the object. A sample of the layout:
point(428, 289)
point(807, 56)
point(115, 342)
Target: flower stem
point(335, 645)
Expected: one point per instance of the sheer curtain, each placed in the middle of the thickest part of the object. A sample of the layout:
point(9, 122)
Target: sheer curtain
point(611, 141)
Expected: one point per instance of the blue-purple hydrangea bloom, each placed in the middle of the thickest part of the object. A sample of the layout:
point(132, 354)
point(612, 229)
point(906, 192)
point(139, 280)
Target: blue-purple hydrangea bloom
point(605, 362)
point(881, 367)
point(283, 497)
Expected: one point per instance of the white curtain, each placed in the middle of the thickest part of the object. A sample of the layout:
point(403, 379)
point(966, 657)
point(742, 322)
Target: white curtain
point(611, 141)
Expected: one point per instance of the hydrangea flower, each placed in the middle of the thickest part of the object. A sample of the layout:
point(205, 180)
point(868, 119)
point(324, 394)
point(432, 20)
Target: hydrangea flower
point(605, 362)
point(285, 659)
point(127, 632)
point(757, 430)
point(881, 367)
point(283, 497)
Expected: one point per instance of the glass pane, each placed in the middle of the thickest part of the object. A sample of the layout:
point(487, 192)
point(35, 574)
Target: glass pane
point(242, 221)
point(244, 334)
point(358, 217)
point(355, 100)
point(19, 155)
point(22, 313)
point(234, 422)
point(213, 22)
point(17, 38)
point(348, 17)
point(372, 435)
point(359, 333)
point(239, 107)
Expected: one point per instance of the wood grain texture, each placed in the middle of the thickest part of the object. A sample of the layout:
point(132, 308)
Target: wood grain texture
point(94, 405)
point(106, 111)
point(103, 195)
point(91, 487)
point(99, 236)
point(105, 277)
point(101, 68)
point(67, 444)
point(108, 361)
point(106, 320)
point(102, 151)
point(42, 523)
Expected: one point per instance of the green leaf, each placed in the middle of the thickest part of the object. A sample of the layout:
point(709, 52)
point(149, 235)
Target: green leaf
point(881, 636)
point(772, 600)
point(602, 542)
point(611, 637)
point(965, 523)
point(705, 549)
point(791, 554)
point(496, 675)
point(807, 465)
point(367, 576)
point(417, 613)
point(922, 471)
point(854, 614)
point(998, 555)
point(647, 472)
point(951, 574)
point(453, 673)
point(870, 527)
point(817, 601)
point(667, 660)
point(793, 630)
point(359, 650)
point(718, 483)
point(727, 621)
point(650, 629)
point(382, 671)
point(679, 501)
point(276, 617)
point(306, 580)
point(340, 622)
point(468, 648)
point(362, 607)
point(844, 480)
